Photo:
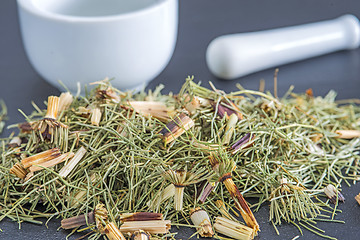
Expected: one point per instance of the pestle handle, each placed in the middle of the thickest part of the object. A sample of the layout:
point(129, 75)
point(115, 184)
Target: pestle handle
point(235, 55)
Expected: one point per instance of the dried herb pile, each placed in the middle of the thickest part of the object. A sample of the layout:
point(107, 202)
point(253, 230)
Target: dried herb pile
point(123, 164)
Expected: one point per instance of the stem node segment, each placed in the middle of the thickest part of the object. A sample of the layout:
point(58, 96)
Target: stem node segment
point(233, 229)
point(240, 203)
point(201, 219)
point(113, 232)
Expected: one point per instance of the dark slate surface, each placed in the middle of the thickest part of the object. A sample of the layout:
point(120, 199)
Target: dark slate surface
point(200, 22)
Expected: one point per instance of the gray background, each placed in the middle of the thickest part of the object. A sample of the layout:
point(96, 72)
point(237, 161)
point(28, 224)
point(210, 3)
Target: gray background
point(200, 21)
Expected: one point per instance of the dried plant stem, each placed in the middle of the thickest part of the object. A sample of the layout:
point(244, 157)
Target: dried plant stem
point(66, 170)
point(178, 198)
point(113, 232)
point(41, 157)
point(241, 204)
point(153, 227)
point(161, 197)
point(201, 219)
point(140, 216)
point(95, 116)
point(276, 82)
point(78, 221)
point(51, 162)
point(19, 171)
point(225, 213)
point(208, 187)
point(348, 134)
point(65, 101)
point(233, 229)
point(53, 106)
point(230, 127)
point(176, 127)
point(154, 109)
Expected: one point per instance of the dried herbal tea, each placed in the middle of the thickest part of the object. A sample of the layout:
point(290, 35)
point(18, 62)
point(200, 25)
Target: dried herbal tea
point(115, 164)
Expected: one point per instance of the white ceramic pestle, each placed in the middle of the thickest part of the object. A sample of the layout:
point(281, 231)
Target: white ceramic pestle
point(235, 55)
